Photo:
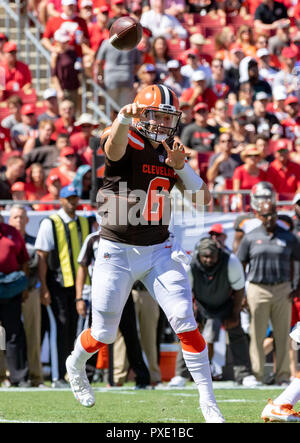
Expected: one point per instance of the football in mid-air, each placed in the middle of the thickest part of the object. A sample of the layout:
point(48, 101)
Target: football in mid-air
point(125, 33)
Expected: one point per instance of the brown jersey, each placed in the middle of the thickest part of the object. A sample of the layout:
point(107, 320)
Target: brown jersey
point(134, 201)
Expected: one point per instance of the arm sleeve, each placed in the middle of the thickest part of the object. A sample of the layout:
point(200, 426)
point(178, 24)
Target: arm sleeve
point(236, 275)
point(243, 253)
point(45, 240)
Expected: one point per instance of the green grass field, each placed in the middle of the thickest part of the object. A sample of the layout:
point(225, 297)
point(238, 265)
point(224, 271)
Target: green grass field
point(125, 405)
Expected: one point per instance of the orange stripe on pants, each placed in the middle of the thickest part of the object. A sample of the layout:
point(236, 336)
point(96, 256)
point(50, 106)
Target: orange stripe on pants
point(89, 343)
point(192, 341)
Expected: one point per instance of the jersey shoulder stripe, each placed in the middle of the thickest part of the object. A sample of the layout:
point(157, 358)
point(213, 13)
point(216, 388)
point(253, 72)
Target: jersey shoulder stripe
point(135, 141)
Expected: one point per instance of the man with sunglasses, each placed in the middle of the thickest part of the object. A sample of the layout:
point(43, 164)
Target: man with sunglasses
point(268, 250)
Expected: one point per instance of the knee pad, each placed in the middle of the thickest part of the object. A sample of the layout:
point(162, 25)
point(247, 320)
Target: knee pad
point(182, 318)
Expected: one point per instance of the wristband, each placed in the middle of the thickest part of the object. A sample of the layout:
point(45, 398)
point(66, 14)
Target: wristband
point(79, 299)
point(124, 120)
point(192, 181)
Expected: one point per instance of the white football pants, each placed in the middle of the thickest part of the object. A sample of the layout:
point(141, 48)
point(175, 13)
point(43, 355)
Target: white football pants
point(118, 266)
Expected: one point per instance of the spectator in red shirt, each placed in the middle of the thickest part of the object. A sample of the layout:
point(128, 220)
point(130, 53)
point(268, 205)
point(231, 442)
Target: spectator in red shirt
point(67, 166)
point(17, 73)
point(53, 186)
point(67, 21)
point(248, 174)
point(283, 173)
point(65, 123)
point(199, 92)
point(13, 258)
point(80, 140)
point(3, 40)
point(98, 31)
point(36, 186)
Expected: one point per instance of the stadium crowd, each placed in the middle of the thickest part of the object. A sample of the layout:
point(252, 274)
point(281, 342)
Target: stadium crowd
point(235, 66)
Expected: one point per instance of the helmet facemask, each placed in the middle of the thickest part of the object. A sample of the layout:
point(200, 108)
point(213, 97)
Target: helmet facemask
point(158, 124)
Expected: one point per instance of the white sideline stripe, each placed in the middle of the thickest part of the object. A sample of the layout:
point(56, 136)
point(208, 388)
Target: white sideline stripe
point(3, 420)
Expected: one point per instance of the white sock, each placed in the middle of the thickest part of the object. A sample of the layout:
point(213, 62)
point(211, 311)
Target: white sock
point(198, 365)
point(79, 355)
point(290, 395)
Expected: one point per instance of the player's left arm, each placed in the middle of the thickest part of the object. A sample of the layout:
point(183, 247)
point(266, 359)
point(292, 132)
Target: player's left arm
point(187, 178)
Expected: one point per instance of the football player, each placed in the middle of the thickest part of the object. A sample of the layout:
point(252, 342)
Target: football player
point(247, 222)
point(281, 409)
point(142, 164)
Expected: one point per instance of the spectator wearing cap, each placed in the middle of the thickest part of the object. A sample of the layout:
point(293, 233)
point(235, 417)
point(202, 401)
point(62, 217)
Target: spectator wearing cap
point(199, 92)
point(161, 23)
point(265, 122)
point(82, 182)
point(14, 104)
point(27, 128)
point(67, 21)
point(291, 124)
point(63, 68)
point(14, 172)
point(283, 173)
point(288, 76)
point(146, 76)
point(80, 141)
point(42, 138)
point(269, 15)
point(223, 163)
point(51, 104)
point(247, 175)
point(218, 289)
point(53, 184)
point(118, 10)
point(58, 234)
point(160, 53)
point(67, 166)
point(86, 11)
point(277, 106)
point(193, 64)
point(175, 79)
point(199, 136)
point(17, 74)
point(18, 193)
point(268, 251)
point(219, 236)
point(98, 31)
point(266, 72)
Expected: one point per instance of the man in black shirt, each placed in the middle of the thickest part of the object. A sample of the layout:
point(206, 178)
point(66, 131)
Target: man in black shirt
point(269, 250)
point(269, 14)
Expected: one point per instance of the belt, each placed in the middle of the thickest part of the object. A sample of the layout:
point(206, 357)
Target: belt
point(270, 284)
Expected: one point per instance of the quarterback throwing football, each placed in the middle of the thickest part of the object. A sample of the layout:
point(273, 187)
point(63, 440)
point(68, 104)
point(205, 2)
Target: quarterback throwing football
point(142, 164)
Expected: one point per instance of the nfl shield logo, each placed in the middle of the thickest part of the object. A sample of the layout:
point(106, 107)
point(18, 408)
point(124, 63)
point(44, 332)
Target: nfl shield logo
point(106, 255)
point(161, 158)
